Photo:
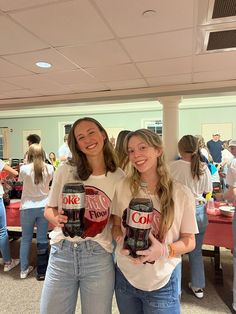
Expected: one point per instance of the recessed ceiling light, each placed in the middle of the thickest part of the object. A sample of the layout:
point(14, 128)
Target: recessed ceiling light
point(149, 13)
point(43, 64)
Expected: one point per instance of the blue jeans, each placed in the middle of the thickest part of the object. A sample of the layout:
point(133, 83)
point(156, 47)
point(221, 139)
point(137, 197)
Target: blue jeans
point(234, 260)
point(84, 266)
point(196, 263)
point(29, 218)
point(135, 301)
point(4, 241)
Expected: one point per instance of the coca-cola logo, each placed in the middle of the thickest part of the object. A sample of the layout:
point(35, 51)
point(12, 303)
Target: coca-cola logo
point(139, 218)
point(70, 199)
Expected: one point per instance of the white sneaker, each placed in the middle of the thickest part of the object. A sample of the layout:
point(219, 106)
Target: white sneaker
point(234, 307)
point(24, 273)
point(198, 292)
point(14, 263)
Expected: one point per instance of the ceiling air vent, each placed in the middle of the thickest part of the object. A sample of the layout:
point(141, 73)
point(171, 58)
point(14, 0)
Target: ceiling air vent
point(224, 8)
point(222, 40)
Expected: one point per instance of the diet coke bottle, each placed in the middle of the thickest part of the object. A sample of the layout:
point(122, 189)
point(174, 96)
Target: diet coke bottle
point(73, 205)
point(138, 225)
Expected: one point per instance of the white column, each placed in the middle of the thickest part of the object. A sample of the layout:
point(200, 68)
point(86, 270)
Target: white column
point(170, 125)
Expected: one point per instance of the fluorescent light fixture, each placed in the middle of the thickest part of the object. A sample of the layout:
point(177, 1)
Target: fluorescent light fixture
point(43, 64)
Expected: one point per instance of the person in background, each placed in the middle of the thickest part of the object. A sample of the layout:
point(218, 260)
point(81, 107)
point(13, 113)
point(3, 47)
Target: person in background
point(64, 151)
point(149, 283)
point(215, 147)
point(9, 262)
point(31, 139)
point(119, 148)
point(226, 159)
point(230, 195)
point(194, 173)
point(36, 176)
point(203, 149)
point(53, 160)
point(83, 263)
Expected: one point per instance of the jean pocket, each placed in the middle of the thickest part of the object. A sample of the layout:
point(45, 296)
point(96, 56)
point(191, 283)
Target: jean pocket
point(97, 249)
point(54, 248)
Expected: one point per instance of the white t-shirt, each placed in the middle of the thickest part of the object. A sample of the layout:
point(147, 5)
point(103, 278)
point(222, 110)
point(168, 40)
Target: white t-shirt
point(2, 164)
point(181, 171)
point(34, 195)
point(231, 174)
point(149, 277)
point(99, 193)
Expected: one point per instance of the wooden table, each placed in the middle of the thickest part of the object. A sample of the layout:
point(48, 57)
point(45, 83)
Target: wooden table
point(218, 234)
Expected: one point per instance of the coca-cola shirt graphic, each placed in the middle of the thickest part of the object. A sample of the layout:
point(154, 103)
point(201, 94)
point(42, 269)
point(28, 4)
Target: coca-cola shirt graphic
point(97, 210)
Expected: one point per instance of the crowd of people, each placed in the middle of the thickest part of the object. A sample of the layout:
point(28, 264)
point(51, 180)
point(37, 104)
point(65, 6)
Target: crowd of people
point(135, 169)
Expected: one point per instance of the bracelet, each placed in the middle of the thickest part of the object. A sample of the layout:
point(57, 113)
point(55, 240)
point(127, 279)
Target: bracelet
point(171, 249)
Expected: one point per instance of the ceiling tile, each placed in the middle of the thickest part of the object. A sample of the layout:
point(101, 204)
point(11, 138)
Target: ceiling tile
point(215, 61)
point(126, 17)
point(96, 54)
point(33, 82)
point(115, 73)
point(214, 76)
point(69, 77)
point(139, 83)
point(7, 69)
point(64, 23)
point(16, 39)
point(7, 86)
point(20, 93)
point(8, 5)
point(160, 46)
point(28, 60)
point(166, 67)
point(169, 80)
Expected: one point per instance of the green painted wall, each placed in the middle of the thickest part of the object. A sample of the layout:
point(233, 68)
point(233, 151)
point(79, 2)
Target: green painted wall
point(190, 120)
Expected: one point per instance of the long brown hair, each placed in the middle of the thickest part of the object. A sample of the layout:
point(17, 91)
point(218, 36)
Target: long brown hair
point(79, 159)
point(190, 144)
point(164, 188)
point(119, 149)
point(36, 156)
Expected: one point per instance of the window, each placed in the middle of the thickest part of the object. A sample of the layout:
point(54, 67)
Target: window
point(153, 125)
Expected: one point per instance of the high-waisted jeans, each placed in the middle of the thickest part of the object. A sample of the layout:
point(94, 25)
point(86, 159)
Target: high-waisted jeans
point(29, 218)
point(131, 300)
point(84, 266)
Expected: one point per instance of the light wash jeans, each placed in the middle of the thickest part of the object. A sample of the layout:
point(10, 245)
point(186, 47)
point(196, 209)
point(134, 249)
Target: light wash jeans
point(135, 301)
point(234, 260)
point(29, 218)
point(196, 264)
point(83, 266)
point(4, 241)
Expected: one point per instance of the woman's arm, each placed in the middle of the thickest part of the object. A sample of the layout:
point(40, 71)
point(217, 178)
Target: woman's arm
point(116, 231)
point(157, 250)
point(185, 244)
point(55, 216)
point(10, 170)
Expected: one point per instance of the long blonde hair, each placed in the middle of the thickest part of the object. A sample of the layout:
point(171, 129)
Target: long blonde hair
point(190, 144)
point(164, 187)
point(36, 156)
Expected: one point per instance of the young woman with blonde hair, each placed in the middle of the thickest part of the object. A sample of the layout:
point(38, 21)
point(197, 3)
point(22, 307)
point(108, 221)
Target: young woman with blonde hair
point(194, 173)
point(149, 283)
point(36, 176)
